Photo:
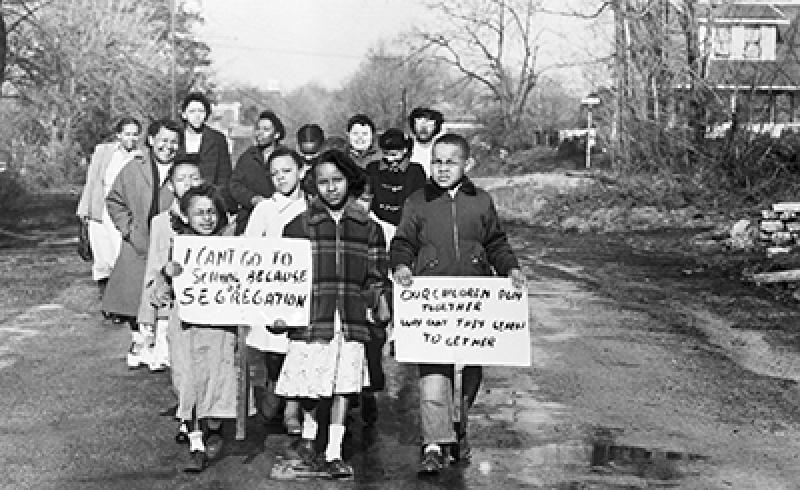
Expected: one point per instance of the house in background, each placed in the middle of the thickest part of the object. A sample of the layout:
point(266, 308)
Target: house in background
point(752, 55)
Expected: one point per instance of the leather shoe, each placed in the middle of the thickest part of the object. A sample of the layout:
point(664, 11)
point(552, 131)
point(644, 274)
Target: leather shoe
point(197, 462)
point(432, 462)
point(338, 469)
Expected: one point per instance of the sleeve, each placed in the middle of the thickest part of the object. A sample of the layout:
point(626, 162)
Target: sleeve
point(158, 253)
point(117, 205)
point(405, 244)
point(378, 283)
point(498, 250)
point(91, 181)
point(224, 168)
point(417, 179)
point(296, 227)
point(238, 182)
point(258, 224)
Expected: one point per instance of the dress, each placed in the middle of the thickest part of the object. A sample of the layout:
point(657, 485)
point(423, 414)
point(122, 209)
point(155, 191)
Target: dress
point(323, 369)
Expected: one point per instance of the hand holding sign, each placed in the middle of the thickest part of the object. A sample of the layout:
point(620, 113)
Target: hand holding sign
point(402, 276)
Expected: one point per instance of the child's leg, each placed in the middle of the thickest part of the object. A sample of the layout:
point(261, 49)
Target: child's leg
point(336, 428)
point(308, 434)
point(436, 404)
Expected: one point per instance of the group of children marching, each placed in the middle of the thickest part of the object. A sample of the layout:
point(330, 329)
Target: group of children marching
point(366, 214)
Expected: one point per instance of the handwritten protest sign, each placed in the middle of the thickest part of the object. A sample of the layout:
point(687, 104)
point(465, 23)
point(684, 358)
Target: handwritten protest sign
point(460, 320)
point(242, 280)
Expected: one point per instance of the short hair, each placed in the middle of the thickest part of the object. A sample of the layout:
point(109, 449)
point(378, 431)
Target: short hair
point(356, 179)
point(197, 97)
point(211, 192)
point(455, 140)
point(283, 151)
point(427, 113)
point(276, 123)
point(361, 119)
point(158, 125)
point(124, 121)
point(181, 160)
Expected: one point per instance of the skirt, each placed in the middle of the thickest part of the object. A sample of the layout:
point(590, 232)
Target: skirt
point(323, 369)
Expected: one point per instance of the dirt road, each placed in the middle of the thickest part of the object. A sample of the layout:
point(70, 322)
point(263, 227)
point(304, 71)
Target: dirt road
point(649, 370)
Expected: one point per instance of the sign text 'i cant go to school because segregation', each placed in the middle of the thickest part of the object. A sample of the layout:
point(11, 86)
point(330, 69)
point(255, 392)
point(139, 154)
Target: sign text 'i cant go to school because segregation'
point(242, 280)
point(462, 320)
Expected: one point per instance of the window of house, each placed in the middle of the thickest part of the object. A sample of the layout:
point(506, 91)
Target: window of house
point(752, 43)
point(723, 37)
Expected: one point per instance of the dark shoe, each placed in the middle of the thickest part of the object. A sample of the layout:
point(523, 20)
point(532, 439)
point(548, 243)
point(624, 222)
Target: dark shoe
point(182, 437)
point(197, 462)
point(306, 452)
point(338, 469)
point(432, 462)
point(369, 409)
point(214, 445)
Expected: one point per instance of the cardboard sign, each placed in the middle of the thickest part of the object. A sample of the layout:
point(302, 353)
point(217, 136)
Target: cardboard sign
point(462, 320)
point(242, 280)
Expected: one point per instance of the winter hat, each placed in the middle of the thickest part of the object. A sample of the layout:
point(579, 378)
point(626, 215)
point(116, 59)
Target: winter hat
point(394, 139)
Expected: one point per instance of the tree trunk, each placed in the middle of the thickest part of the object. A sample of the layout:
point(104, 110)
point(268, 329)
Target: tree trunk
point(3, 49)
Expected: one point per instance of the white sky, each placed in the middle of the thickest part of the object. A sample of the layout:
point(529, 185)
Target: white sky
point(292, 42)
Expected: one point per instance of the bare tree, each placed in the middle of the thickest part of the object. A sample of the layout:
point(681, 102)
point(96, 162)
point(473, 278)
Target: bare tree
point(494, 43)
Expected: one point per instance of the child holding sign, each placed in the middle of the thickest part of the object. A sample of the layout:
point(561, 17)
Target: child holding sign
point(155, 308)
point(204, 354)
point(449, 228)
point(268, 219)
point(349, 267)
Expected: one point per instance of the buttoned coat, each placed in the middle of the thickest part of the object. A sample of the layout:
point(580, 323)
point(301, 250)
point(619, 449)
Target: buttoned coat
point(93, 198)
point(128, 205)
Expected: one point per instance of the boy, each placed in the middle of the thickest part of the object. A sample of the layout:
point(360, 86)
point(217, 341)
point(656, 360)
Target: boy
point(449, 228)
point(360, 132)
point(393, 178)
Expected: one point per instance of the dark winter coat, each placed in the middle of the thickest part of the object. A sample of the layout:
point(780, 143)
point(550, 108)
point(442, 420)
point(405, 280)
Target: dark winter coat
point(349, 270)
point(444, 236)
point(250, 178)
point(391, 187)
point(214, 160)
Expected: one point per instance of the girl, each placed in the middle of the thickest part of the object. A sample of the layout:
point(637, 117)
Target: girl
point(327, 358)
point(202, 355)
point(155, 307)
point(268, 219)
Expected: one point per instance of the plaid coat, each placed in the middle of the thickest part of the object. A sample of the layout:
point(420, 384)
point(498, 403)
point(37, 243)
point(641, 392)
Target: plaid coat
point(350, 270)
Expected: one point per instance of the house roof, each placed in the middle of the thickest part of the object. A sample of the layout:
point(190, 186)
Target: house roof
point(745, 13)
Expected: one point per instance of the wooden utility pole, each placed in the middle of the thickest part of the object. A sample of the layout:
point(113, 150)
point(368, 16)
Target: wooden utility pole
point(619, 136)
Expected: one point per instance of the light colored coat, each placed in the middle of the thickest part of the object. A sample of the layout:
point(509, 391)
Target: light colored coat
point(93, 198)
point(268, 219)
point(128, 204)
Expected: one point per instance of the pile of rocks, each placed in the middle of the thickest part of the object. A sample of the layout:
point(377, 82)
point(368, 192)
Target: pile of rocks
point(779, 228)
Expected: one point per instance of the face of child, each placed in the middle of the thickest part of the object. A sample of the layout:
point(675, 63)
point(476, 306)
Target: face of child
point(447, 164)
point(195, 114)
point(424, 129)
point(331, 185)
point(360, 137)
point(202, 215)
point(265, 133)
point(165, 145)
point(394, 156)
point(184, 177)
point(129, 136)
point(285, 174)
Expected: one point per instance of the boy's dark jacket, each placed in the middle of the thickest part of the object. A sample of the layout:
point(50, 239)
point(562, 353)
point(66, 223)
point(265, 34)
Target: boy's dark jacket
point(390, 188)
point(353, 281)
point(443, 236)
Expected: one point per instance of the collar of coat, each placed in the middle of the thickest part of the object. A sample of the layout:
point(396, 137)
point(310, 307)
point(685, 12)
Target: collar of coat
point(433, 191)
point(352, 210)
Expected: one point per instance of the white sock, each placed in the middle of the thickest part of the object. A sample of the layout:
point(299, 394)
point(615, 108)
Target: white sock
point(137, 337)
point(335, 438)
point(432, 447)
point(309, 427)
point(196, 441)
